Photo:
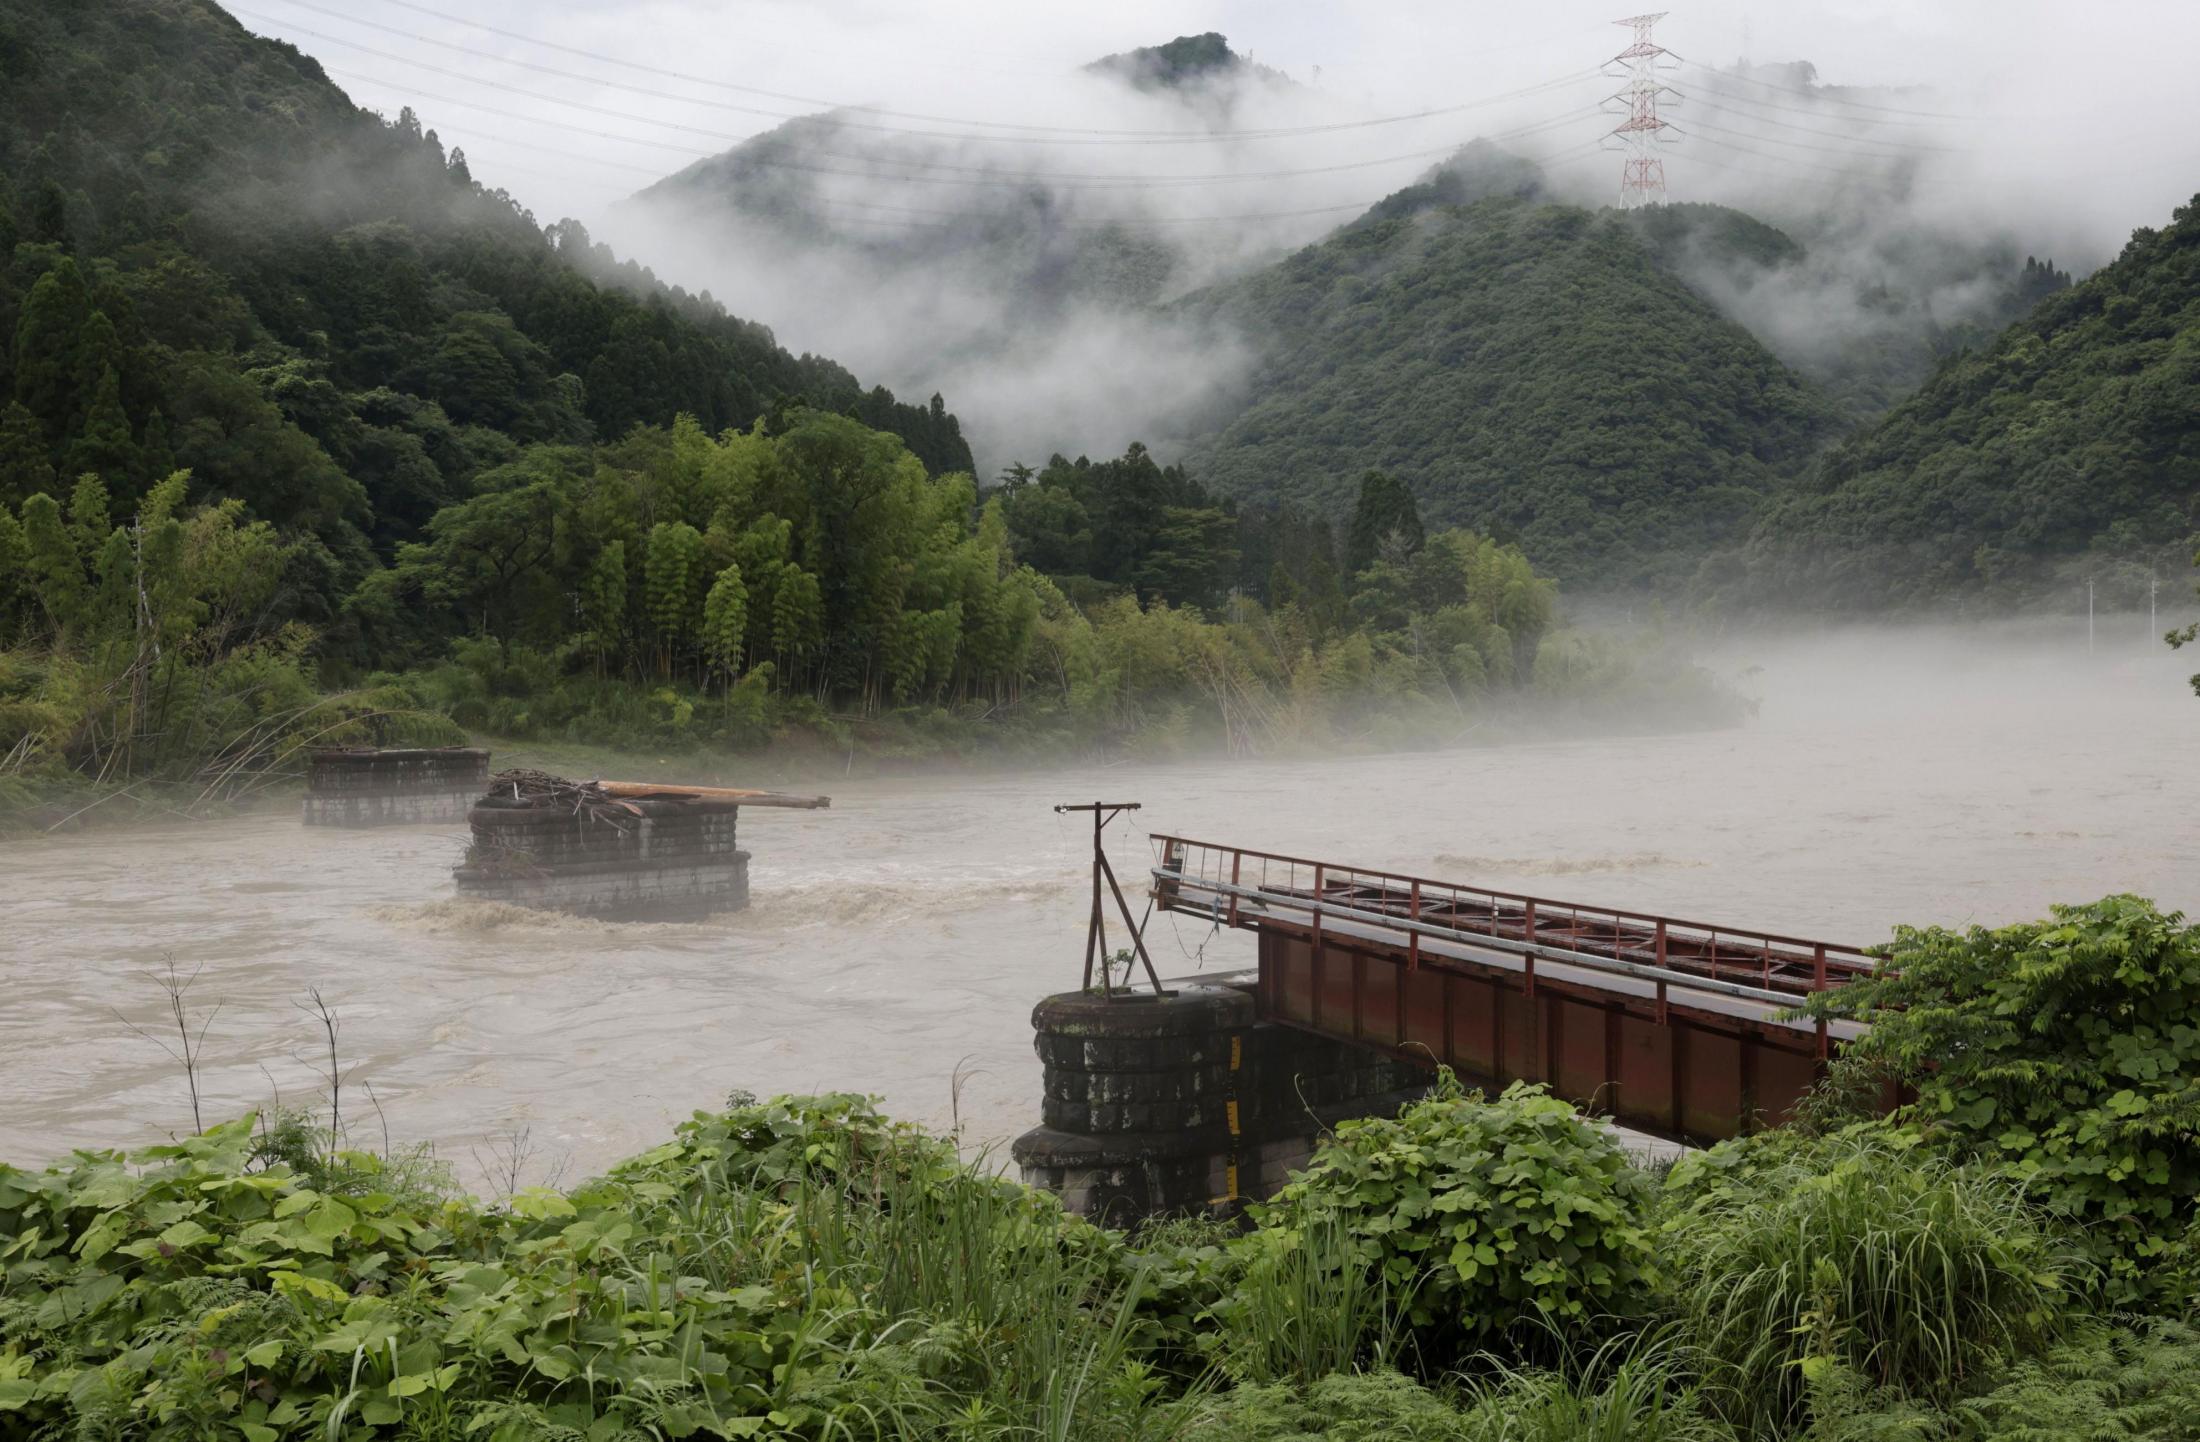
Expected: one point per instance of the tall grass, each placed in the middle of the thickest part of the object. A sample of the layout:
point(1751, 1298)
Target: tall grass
point(1625, 1391)
point(1856, 1252)
point(1306, 1306)
point(981, 1312)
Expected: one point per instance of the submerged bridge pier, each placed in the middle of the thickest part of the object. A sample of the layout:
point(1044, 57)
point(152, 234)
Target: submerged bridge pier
point(1679, 1029)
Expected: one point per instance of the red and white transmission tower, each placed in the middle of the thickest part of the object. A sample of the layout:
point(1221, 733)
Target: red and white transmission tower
point(1641, 132)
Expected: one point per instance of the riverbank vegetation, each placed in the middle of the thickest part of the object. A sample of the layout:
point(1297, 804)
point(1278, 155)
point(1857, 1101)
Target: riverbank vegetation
point(1473, 1269)
point(802, 580)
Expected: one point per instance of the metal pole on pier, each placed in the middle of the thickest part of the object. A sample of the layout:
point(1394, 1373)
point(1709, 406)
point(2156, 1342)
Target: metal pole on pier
point(1096, 931)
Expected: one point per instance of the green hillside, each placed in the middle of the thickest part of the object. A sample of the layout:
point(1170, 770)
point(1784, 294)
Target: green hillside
point(1530, 370)
point(2065, 449)
point(210, 258)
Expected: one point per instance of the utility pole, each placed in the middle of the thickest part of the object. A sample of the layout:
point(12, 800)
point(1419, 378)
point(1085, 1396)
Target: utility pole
point(1642, 175)
point(2153, 584)
point(2089, 615)
point(1096, 932)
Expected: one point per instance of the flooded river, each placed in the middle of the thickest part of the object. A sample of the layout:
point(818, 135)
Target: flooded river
point(904, 934)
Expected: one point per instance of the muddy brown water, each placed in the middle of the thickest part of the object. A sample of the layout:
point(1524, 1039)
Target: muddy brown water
point(902, 936)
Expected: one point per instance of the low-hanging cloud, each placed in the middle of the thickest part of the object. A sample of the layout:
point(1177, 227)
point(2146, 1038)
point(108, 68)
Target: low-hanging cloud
point(1967, 125)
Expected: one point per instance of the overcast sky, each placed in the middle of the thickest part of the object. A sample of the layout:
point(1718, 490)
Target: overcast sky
point(2080, 115)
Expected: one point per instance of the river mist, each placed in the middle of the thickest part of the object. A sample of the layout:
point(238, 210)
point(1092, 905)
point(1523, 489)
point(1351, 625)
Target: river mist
point(1925, 775)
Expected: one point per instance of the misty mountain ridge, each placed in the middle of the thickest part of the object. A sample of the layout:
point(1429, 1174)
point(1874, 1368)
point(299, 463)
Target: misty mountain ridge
point(984, 265)
point(209, 257)
point(1018, 228)
point(1183, 64)
point(324, 314)
point(2061, 455)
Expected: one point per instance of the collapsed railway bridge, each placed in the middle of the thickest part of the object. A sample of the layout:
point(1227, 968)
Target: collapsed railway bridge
point(1671, 1027)
point(1201, 1093)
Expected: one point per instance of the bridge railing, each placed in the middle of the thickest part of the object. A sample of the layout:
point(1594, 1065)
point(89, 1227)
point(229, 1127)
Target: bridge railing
point(1239, 886)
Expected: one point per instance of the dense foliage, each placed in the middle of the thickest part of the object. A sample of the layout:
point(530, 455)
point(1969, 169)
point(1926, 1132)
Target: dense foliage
point(825, 554)
point(1528, 370)
point(773, 1271)
point(210, 258)
point(151, 655)
point(2063, 450)
point(2067, 1051)
point(792, 1269)
point(783, 573)
point(1861, 1252)
point(1480, 1215)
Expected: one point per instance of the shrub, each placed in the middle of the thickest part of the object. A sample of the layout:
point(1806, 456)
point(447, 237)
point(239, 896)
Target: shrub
point(1478, 1215)
point(1371, 1407)
point(2106, 1382)
point(1792, 1256)
point(1623, 1394)
point(789, 1269)
point(2068, 1050)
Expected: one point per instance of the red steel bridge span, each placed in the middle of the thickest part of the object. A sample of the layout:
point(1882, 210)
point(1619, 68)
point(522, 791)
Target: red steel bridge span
point(1671, 1027)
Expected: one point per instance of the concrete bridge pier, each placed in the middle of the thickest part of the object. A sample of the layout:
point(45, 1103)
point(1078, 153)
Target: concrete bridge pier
point(1186, 1103)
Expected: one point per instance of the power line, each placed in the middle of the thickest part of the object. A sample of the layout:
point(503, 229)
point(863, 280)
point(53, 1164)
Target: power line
point(946, 219)
point(1817, 111)
point(1560, 156)
point(769, 152)
point(359, 78)
point(1819, 96)
point(492, 138)
point(1128, 222)
point(1785, 160)
point(1563, 158)
point(1132, 221)
point(1055, 135)
point(1801, 144)
point(735, 140)
point(1695, 98)
point(611, 188)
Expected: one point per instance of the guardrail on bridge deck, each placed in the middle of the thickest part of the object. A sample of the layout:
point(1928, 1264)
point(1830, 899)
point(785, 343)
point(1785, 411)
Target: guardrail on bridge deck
point(1676, 1027)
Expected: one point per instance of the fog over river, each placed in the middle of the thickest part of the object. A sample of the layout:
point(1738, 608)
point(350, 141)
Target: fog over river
point(1918, 776)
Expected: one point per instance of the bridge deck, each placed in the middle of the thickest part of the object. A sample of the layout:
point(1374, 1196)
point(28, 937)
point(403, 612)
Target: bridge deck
point(1680, 1027)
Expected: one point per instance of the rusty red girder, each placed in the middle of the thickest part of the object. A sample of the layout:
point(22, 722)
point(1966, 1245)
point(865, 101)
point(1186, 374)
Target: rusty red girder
point(1693, 1024)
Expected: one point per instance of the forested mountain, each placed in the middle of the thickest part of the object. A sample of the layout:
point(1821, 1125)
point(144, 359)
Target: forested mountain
point(1528, 369)
point(1024, 237)
point(841, 179)
point(209, 258)
point(1021, 272)
point(1186, 61)
point(2066, 449)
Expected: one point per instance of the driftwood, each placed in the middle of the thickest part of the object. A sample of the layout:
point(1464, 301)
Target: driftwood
point(540, 790)
point(652, 790)
point(615, 801)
